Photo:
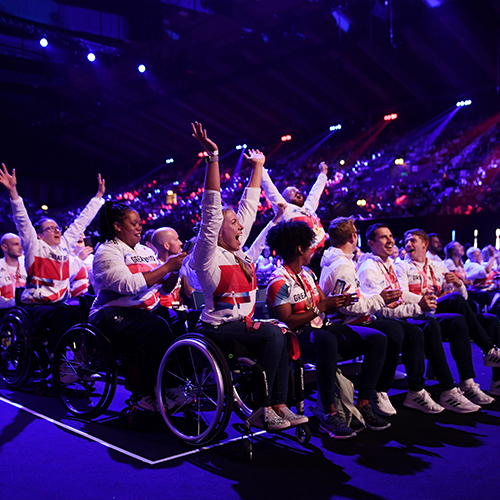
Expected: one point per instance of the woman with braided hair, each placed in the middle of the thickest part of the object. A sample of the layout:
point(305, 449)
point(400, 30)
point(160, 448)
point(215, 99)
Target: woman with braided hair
point(128, 279)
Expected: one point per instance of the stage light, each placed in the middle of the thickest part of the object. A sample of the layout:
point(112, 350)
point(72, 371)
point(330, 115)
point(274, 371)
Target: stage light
point(44, 42)
point(432, 4)
point(169, 160)
point(286, 138)
point(241, 146)
point(399, 161)
point(361, 203)
point(390, 117)
point(335, 127)
point(44, 208)
point(460, 104)
point(497, 242)
point(201, 154)
point(342, 162)
point(476, 234)
point(141, 68)
point(342, 21)
point(91, 56)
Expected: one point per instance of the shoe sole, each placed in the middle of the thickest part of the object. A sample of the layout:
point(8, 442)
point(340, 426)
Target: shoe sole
point(372, 428)
point(460, 410)
point(324, 430)
point(301, 421)
point(384, 414)
point(423, 409)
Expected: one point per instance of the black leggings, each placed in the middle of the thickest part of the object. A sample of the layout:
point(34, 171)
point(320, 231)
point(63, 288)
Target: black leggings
point(322, 345)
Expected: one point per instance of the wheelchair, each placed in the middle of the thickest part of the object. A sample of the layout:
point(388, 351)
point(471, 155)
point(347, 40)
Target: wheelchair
point(24, 353)
point(198, 387)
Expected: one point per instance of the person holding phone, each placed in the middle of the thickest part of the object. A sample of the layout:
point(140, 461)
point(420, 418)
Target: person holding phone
point(297, 301)
point(338, 271)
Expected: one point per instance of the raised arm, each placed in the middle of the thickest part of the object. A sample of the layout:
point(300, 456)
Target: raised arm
point(312, 200)
point(212, 174)
point(9, 181)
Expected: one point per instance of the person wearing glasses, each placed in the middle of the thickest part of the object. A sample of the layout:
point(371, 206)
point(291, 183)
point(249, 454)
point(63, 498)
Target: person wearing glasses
point(47, 251)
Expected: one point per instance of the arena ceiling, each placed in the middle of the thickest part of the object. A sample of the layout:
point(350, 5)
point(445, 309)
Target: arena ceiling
point(251, 70)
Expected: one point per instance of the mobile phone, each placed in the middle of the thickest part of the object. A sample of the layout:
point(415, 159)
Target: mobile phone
point(339, 287)
point(87, 241)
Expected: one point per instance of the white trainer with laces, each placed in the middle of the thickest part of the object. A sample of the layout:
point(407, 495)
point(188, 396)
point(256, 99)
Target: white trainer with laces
point(454, 400)
point(421, 400)
point(492, 359)
point(495, 388)
point(293, 418)
point(473, 392)
point(382, 404)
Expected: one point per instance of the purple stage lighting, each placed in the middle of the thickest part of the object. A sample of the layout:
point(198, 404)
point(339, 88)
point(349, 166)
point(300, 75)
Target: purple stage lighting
point(44, 42)
point(141, 68)
point(91, 56)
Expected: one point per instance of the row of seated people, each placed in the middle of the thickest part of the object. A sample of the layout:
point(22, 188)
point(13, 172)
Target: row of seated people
point(128, 278)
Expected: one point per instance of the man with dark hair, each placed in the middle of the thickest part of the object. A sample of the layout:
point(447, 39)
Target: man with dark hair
point(339, 272)
point(377, 272)
point(435, 252)
point(418, 275)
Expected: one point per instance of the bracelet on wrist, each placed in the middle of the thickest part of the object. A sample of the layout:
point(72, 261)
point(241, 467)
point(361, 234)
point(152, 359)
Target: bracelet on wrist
point(213, 153)
point(211, 159)
point(316, 311)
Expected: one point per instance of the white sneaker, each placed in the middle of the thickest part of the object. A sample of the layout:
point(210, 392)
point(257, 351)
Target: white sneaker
point(382, 404)
point(67, 373)
point(492, 358)
point(176, 398)
point(293, 418)
point(421, 400)
point(473, 393)
point(149, 403)
point(273, 422)
point(454, 400)
point(495, 388)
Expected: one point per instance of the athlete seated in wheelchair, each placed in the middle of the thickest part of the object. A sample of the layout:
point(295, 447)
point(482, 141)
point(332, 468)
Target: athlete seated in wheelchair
point(227, 276)
point(128, 279)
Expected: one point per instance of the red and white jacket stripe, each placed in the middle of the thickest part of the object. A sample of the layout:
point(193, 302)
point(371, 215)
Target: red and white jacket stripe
point(306, 213)
point(118, 278)
point(375, 275)
point(8, 284)
point(48, 266)
point(79, 276)
point(228, 295)
point(410, 276)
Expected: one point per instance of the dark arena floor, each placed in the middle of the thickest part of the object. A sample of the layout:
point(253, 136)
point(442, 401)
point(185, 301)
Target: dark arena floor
point(47, 454)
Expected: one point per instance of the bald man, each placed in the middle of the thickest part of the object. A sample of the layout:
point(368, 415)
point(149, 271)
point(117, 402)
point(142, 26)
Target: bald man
point(166, 243)
point(12, 270)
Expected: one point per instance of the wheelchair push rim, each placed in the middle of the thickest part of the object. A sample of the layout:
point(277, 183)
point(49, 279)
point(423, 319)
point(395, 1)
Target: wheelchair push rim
point(84, 373)
point(194, 390)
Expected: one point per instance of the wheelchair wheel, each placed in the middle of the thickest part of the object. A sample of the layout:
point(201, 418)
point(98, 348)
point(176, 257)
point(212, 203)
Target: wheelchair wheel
point(16, 350)
point(194, 390)
point(84, 371)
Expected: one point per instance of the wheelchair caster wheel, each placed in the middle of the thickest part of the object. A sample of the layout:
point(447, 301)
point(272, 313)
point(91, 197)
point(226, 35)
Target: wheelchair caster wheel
point(41, 388)
point(247, 450)
point(303, 434)
point(128, 417)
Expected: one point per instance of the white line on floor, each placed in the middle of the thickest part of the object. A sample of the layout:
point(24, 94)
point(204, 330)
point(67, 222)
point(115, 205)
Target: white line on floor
point(117, 448)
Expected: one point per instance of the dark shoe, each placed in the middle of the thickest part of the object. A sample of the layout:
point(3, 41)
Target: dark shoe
point(334, 425)
point(372, 420)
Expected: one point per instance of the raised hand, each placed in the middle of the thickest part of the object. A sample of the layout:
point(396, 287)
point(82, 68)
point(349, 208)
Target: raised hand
point(101, 186)
point(174, 262)
point(9, 181)
point(255, 157)
point(281, 207)
point(201, 134)
point(323, 167)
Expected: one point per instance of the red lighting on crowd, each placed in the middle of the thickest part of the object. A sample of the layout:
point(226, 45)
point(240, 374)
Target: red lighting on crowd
point(285, 138)
point(390, 117)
